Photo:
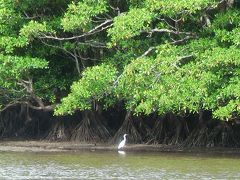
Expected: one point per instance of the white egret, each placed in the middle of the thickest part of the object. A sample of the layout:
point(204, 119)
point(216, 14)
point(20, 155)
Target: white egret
point(123, 142)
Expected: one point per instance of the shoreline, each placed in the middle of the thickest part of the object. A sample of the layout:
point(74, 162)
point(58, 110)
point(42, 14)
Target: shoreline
point(46, 146)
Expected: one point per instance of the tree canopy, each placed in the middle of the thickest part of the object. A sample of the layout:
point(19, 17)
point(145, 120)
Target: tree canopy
point(190, 59)
point(155, 56)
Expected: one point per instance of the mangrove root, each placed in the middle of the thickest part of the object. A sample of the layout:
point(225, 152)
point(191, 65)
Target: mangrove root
point(90, 129)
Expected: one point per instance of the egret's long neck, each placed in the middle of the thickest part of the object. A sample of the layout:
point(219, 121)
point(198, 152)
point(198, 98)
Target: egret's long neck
point(124, 138)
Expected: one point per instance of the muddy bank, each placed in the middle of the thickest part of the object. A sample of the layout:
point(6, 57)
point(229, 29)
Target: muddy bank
point(39, 146)
point(46, 146)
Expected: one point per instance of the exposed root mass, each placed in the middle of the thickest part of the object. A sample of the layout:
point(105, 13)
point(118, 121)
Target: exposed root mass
point(59, 132)
point(134, 127)
point(91, 129)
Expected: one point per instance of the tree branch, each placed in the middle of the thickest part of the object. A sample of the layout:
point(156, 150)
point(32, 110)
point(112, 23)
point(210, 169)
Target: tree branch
point(183, 40)
point(95, 30)
point(15, 103)
point(147, 52)
point(171, 32)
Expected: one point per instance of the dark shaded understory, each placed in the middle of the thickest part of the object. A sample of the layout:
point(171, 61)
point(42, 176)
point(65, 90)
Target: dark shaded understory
point(170, 130)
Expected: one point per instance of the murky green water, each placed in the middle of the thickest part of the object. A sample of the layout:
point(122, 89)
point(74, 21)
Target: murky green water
point(112, 165)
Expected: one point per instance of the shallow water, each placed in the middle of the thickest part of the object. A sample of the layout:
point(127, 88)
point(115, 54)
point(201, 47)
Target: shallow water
point(114, 165)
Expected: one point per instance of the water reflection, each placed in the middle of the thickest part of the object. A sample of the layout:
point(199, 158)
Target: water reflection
point(110, 165)
point(122, 152)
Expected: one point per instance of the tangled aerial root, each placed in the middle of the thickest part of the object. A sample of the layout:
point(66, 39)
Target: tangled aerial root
point(220, 135)
point(59, 132)
point(137, 133)
point(90, 129)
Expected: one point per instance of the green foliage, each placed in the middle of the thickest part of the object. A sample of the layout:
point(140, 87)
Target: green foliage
point(15, 68)
point(226, 112)
point(79, 15)
point(8, 43)
point(33, 29)
point(226, 20)
point(194, 75)
point(162, 55)
point(125, 26)
point(226, 27)
point(95, 84)
point(168, 84)
point(135, 81)
point(48, 84)
point(9, 18)
point(231, 37)
point(171, 8)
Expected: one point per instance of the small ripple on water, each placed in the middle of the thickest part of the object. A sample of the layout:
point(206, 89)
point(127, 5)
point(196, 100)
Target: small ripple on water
point(111, 166)
point(58, 172)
